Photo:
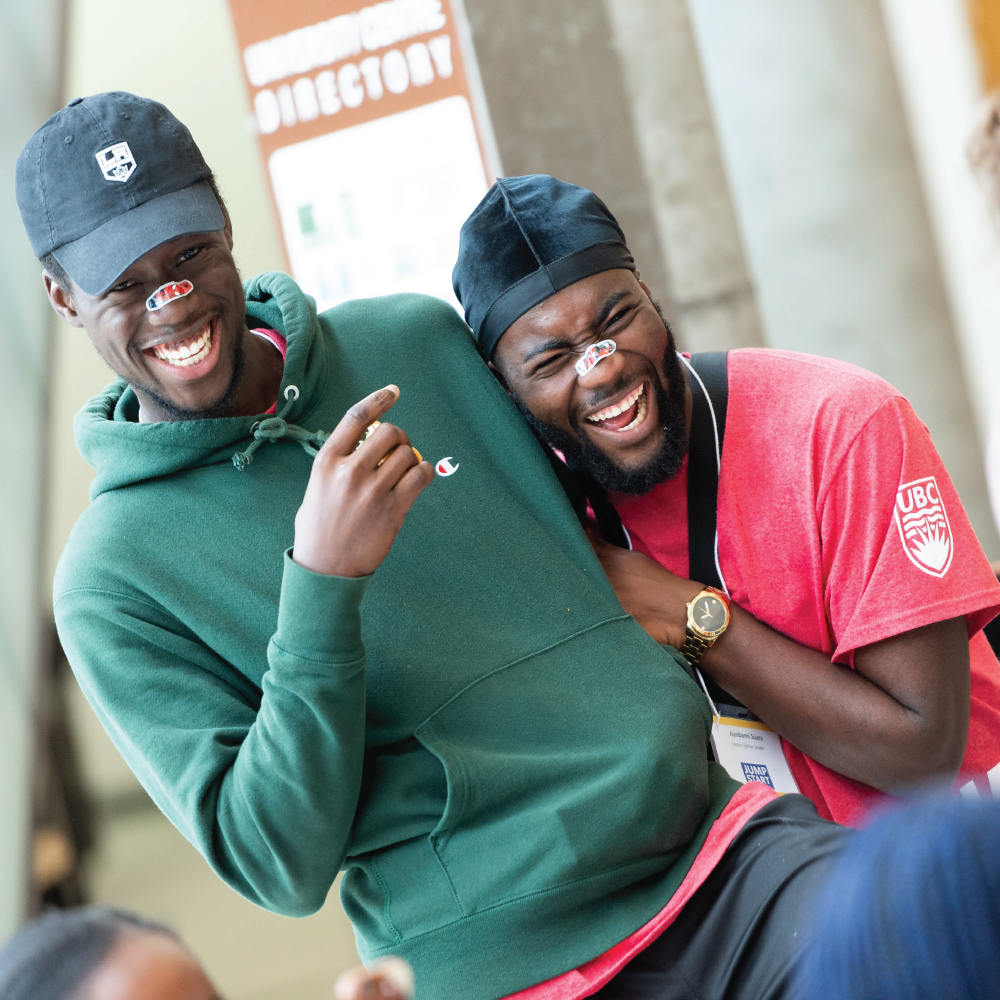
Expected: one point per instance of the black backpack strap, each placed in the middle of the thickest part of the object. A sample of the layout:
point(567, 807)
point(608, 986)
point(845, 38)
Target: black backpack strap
point(704, 454)
point(581, 490)
point(703, 468)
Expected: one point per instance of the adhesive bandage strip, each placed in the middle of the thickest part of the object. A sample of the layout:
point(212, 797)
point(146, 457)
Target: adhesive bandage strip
point(167, 293)
point(596, 352)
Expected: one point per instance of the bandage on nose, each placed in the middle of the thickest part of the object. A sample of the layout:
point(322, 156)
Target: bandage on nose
point(596, 352)
point(167, 293)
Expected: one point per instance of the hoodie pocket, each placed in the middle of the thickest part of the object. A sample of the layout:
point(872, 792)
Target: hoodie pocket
point(580, 760)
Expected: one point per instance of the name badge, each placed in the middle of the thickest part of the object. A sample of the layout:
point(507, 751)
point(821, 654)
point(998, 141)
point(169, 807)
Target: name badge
point(751, 751)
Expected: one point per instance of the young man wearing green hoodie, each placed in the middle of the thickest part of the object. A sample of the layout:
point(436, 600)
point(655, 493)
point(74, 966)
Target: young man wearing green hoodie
point(319, 656)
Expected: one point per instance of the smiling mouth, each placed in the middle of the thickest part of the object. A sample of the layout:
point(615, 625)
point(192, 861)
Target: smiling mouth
point(185, 353)
point(623, 415)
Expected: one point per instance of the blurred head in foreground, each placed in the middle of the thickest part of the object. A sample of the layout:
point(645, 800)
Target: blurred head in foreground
point(96, 954)
point(92, 953)
point(912, 909)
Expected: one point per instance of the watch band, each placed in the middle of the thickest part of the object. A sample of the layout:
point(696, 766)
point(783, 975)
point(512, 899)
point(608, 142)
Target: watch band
point(694, 647)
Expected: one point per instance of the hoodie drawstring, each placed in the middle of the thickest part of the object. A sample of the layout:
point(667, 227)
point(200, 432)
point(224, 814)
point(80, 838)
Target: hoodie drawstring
point(275, 428)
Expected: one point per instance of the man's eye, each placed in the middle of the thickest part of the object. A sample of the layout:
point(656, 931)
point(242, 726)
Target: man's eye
point(122, 286)
point(190, 252)
point(548, 364)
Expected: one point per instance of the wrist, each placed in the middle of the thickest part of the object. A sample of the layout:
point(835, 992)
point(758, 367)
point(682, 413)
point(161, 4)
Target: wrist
point(707, 617)
point(717, 657)
point(675, 616)
point(324, 566)
point(319, 614)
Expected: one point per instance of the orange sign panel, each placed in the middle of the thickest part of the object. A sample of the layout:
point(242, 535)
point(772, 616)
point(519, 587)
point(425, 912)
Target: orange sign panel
point(366, 122)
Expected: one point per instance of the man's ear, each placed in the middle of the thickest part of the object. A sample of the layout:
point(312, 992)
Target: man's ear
point(60, 300)
point(499, 377)
point(644, 286)
point(228, 229)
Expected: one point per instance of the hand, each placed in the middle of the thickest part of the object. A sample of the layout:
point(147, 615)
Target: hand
point(356, 500)
point(389, 979)
point(656, 598)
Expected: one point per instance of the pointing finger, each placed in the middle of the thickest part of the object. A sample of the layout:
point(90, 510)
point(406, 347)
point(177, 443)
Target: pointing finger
point(358, 418)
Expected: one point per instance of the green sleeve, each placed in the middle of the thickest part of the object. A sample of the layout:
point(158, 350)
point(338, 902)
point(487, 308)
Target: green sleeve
point(264, 782)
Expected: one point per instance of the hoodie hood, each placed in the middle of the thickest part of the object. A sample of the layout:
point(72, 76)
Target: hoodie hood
point(124, 452)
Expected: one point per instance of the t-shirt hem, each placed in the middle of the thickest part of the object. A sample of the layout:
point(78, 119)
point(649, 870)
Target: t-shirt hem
point(590, 977)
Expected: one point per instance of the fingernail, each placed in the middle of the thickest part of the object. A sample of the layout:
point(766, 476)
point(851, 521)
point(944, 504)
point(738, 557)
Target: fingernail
point(394, 389)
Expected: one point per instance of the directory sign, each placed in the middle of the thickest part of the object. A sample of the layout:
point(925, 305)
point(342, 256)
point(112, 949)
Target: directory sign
point(374, 144)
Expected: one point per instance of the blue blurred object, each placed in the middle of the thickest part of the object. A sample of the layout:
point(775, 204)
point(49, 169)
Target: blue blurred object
point(912, 909)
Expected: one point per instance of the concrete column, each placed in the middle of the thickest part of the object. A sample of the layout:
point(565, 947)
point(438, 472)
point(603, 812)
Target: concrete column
point(559, 106)
point(825, 183)
point(714, 301)
point(29, 83)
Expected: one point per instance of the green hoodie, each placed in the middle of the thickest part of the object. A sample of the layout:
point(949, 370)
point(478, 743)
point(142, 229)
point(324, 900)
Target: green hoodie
point(510, 771)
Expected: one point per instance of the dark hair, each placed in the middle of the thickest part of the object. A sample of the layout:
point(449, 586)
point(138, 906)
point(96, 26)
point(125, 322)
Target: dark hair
point(51, 957)
point(911, 910)
point(49, 262)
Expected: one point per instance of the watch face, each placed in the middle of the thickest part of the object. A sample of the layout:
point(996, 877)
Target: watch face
point(708, 614)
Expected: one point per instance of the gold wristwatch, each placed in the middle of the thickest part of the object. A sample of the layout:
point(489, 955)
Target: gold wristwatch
point(707, 619)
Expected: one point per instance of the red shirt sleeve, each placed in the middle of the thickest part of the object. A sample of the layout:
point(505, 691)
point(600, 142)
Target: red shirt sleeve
point(898, 549)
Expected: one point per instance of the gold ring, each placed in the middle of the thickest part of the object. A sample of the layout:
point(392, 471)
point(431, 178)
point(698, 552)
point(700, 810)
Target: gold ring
point(371, 430)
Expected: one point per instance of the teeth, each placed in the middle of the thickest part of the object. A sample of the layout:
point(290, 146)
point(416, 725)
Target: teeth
point(640, 415)
point(188, 352)
point(620, 408)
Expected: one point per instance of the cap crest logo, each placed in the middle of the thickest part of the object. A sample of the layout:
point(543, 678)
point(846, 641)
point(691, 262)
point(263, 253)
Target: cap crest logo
point(116, 162)
point(923, 526)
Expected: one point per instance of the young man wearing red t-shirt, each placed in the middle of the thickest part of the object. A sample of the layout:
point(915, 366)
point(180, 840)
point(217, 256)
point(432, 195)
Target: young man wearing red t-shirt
point(856, 588)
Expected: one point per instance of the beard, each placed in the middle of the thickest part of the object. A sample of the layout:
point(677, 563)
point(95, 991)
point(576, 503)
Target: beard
point(219, 408)
point(583, 455)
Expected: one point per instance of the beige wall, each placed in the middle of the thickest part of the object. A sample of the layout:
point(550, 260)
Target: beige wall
point(29, 54)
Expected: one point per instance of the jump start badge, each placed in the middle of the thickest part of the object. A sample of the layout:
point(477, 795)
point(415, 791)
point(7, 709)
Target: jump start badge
point(596, 352)
point(167, 293)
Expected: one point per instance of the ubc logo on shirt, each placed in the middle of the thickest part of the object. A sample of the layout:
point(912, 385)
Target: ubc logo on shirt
point(923, 526)
point(116, 162)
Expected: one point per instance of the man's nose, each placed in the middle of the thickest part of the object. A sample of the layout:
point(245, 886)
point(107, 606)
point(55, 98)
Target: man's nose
point(605, 372)
point(174, 312)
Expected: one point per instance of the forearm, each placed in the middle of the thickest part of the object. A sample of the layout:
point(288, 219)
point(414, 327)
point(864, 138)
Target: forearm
point(835, 714)
point(286, 806)
point(263, 781)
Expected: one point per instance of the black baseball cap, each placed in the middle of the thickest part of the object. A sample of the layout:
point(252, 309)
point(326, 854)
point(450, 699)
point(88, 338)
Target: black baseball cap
point(529, 238)
point(106, 179)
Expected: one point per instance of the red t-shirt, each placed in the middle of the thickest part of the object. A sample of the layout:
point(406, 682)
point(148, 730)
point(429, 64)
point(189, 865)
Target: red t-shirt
point(281, 343)
point(838, 526)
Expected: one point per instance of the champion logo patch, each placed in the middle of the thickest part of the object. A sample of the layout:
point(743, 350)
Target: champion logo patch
point(923, 526)
point(116, 162)
point(445, 467)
